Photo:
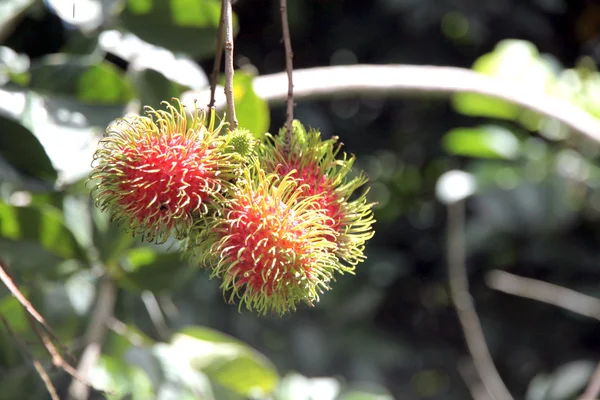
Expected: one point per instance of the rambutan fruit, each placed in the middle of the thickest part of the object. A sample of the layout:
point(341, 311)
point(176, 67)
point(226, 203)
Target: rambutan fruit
point(315, 164)
point(158, 174)
point(272, 246)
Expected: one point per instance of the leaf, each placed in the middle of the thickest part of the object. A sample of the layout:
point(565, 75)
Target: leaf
point(188, 26)
point(10, 10)
point(177, 68)
point(487, 141)
point(23, 151)
point(12, 65)
point(69, 130)
point(146, 269)
point(252, 111)
point(298, 387)
point(42, 226)
point(513, 61)
point(227, 361)
point(153, 87)
point(111, 240)
point(85, 78)
point(121, 379)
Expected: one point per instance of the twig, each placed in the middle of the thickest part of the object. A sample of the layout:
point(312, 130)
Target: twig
point(36, 363)
point(10, 285)
point(593, 389)
point(289, 56)
point(56, 358)
point(155, 314)
point(463, 302)
point(228, 22)
point(102, 313)
point(545, 292)
point(120, 328)
point(218, 56)
point(403, 80)
point(469, 374)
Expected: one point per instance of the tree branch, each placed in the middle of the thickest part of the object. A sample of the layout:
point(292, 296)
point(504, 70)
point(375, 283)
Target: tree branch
point(102, 313)
point(463, 302)
point(403, 80)
point(14, 290)
point(593, 389)
point(228, 21)
point(545, 292)
point(36, 363)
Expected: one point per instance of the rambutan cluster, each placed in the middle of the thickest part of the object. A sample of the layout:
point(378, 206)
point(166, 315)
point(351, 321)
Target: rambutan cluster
point(274, 220)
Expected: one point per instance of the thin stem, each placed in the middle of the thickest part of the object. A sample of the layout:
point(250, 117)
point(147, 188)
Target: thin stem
point(593, 389)
point(289, 57)
point(95, 334)
point(463, 302)
point(156, 315)
point(545, 292)
point(56, 358)
point(218, 56)
point(228, 22)
point(12, 287)
point(36, 363)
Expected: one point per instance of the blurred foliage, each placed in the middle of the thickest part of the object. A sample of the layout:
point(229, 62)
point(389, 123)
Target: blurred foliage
point(390, 330)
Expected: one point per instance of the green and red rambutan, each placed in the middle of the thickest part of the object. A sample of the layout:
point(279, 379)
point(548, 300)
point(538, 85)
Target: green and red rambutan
point(325, 174)
point(272, 246)
point(158, 174)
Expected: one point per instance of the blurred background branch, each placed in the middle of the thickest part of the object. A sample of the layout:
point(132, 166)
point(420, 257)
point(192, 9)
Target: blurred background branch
point(545, 292)
point(464, 305)
point(403, 80)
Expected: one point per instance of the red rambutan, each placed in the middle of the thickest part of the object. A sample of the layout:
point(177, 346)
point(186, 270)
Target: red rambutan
point(272, 246)
point(314, 163)
point(157, 174)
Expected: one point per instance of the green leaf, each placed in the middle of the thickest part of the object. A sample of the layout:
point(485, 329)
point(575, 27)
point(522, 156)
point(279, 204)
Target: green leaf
point(69, 130)
point(111, 240)
point(42, 226)
point(153, 87)
point(146, 269)
point(252, 111)
point(488, 141)
point(90, 81)
point(514, 61)
point(188, 26)
point(227, 361)
point(23, 151)
point(121, 379)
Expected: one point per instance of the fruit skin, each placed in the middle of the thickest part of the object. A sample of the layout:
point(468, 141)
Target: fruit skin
point(158, 174)
point(272, 245)
point(314, 162)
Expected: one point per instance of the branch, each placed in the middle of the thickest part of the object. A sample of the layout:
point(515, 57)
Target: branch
point(403, 80)
point(12, 287)
point(228, 21)
point(156, 315)
point(36, 363)
point(593, 389)
point(218, 55)
point(545, 292)
point(470, 376)
point(463, 302)
point(102, 313)
point(289, 56)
